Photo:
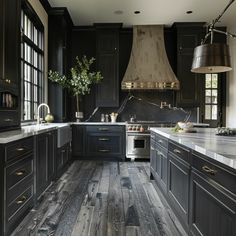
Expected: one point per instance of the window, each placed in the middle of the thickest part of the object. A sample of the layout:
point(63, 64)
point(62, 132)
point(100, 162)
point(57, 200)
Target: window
point(211, 96)
point(32, 62)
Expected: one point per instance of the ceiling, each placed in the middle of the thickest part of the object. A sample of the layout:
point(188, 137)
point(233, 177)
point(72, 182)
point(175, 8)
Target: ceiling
point(87, 12)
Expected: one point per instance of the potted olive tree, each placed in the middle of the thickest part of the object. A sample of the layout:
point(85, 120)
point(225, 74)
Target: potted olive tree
point(79, 81)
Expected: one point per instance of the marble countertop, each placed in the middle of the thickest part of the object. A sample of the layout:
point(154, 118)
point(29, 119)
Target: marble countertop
point(206, 142)
point(98, 123)
point(29, 130)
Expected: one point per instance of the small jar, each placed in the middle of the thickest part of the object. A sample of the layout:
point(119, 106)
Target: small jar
point(102, 118)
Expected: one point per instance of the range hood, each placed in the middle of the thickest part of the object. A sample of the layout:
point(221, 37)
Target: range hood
point(149, 66)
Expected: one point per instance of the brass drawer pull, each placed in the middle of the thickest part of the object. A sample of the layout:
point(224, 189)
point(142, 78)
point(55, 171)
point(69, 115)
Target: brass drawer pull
point(103, 139)
point(177, 151)
point(21, 200)
point(8, 120)
point(103, 129)
point(20, 172)
point(208, 170)
point(20, 149)
point(104, 150)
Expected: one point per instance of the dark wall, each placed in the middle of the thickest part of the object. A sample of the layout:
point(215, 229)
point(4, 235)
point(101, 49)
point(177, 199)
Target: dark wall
point(84, 43)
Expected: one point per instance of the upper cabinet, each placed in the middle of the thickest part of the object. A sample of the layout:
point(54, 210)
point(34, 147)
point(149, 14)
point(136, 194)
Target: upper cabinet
point(9, 64)
point(107, 59)
point(60, 27)
point(189, 36)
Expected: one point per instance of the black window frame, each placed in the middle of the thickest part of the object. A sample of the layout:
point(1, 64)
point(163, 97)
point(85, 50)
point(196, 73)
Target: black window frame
point(32, 62)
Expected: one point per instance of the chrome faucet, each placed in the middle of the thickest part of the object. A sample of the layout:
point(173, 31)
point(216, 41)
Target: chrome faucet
point(38, 115)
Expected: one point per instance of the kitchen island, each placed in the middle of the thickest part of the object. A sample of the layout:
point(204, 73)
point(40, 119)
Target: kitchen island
point(197, 174)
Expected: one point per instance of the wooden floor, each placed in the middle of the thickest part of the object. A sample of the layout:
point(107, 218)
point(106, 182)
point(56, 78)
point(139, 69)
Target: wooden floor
point(102, 198)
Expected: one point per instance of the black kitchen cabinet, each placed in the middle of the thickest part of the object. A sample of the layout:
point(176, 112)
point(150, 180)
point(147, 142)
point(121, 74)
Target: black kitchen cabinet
point(178, 179)
point(63, 158)
point(60, 27)
point(159, 161)
point(153, 157)
point(105, 141)
point(189, 36)
point(213, 210)
point(17, 183)
point(78, 143)
point(45, 160)
point(107, 47)
point(212, 198)
point(10, 64)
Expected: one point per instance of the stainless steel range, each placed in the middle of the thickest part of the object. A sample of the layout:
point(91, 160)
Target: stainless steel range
point(138, 138)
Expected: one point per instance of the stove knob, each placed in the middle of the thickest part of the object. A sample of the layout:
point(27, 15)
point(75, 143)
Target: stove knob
point(133, 128)
point(141, 129)
point(129, 128)
point(138, 128)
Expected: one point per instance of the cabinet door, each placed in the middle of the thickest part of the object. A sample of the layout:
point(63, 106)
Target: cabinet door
point(213, 211)
point(51, 138)
point(78, 140)
point(107, 94)
point(153, 157)
point(178, 187)
point(41, 164)
point(12, 42)
point(188, 37)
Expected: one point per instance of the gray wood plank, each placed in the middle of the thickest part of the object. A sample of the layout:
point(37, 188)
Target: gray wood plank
point(132, 231)
point(116, 219)
point(83, 221)
point(100, 215)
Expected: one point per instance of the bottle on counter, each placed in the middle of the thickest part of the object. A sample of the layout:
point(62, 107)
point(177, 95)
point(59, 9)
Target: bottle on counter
point(102, 118)
point(106, 118)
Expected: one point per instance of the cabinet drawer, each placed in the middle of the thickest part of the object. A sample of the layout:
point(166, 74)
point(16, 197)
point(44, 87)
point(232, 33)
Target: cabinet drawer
point(19, 148)
point(19, 171)
point(8, 118)
point(160, 140)
point(179, 151)
point(222, 176)
point(18, 208)
point(105, 128)
point(105, 144)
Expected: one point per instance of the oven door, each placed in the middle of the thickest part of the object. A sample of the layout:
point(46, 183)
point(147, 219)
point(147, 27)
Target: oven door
point(138, 145)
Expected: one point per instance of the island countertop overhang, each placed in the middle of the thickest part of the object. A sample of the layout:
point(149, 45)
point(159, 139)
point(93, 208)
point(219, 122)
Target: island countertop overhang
point(221, 149)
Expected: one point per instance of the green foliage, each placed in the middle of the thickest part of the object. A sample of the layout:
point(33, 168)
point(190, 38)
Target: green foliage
point(80, 78)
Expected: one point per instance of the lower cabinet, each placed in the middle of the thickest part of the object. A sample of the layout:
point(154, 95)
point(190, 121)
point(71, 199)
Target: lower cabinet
point(213, 210)
point(99, 142)
point(78, 136)
point(178, 187)
point(45, 160)
point(63, 158)
point(17, 183)
point(158, 161)
point(201, 191)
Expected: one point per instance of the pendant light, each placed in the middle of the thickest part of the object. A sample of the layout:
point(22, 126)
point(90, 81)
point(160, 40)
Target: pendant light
point(212, 57)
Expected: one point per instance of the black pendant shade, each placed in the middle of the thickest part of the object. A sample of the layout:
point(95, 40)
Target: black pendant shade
point(211, 58)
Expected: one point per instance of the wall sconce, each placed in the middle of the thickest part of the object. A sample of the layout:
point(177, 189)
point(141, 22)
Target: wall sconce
point(212, 57)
